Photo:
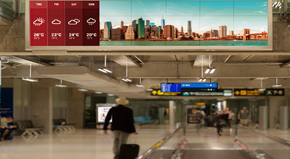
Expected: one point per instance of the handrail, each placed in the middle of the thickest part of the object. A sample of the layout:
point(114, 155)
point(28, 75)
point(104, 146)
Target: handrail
point(148, 152)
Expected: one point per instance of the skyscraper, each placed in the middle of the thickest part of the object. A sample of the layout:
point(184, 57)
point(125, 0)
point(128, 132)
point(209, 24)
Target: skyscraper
point(122, 24)
point(130, 33)
point(222, 31)
point(168, 31)
point(141, 28)
point(162, 23)
point(181, 30)
point(107, 30)
point(231, 32)
point(189, 28)
point(148, 26)
point(147, 23)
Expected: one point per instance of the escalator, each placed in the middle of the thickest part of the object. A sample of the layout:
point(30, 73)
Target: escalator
point(190, 144)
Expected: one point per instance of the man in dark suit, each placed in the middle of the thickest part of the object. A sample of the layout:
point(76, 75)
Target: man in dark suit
point(122, 124)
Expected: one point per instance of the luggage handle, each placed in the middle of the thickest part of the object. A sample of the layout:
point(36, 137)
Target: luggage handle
point(135, 138)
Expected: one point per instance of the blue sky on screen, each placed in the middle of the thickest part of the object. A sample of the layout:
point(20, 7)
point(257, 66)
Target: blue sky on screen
point(204, 15)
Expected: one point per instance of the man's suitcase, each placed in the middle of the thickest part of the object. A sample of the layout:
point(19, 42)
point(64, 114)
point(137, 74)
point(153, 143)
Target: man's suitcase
point(129, 151)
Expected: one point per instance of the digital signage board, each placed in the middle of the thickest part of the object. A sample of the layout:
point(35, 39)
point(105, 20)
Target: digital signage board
point(189, 87)
point(163, 25)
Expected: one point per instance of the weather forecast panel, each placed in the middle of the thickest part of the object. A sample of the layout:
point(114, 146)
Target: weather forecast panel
point(56, 18)
point(64, 23)
point(38, 23)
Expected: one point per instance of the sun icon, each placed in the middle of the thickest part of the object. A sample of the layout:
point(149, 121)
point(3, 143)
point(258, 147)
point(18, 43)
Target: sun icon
point(39, 21)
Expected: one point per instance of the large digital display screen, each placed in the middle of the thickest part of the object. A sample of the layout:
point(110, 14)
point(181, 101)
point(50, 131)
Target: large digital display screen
point(149, 24)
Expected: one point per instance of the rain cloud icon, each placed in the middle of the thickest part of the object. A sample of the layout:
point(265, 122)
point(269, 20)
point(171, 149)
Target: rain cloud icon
point(91, 21)
point(74, 21)
point(56, 22)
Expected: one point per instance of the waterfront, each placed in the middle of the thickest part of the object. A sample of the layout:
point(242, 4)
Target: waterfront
point(187, 43)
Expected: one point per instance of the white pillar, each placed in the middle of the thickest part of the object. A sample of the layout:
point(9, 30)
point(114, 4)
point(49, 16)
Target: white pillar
point(263, 117)
point(50, 111)
point(172, 108)
point(284, 117)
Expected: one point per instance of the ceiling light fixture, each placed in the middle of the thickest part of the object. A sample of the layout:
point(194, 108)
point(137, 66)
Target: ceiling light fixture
point(61, 85)
point(140, 85)
point(29, 79)
point(111, 95)
point(99, 92)
point(126, 79)
point(261, 88)
point(83, 90)
point(105, 69)
point(209, 69)
point(277, 85)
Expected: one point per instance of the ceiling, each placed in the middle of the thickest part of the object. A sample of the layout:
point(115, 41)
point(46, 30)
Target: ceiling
point(232, 71)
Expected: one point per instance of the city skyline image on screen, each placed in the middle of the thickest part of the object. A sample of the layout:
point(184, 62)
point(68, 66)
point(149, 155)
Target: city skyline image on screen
point(184, 23)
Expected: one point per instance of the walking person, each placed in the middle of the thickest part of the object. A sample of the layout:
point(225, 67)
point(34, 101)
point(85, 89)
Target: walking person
point(122, 124)
point(244, 116)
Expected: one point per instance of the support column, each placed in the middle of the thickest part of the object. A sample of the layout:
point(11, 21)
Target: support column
point(172, 108)
point(274, 110)
point(263, 118)
point(41, 106)
point(50, 111)
point(76, 108)
point(284, 117)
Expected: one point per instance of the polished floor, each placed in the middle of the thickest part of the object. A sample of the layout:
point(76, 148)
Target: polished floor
point(93, 144)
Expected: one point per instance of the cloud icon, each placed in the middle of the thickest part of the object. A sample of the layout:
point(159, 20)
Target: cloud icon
point(91, 21)
point(74, 21)
point(39, 21)
point(56, 22)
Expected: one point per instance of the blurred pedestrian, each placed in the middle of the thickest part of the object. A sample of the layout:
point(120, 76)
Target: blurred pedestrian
point(244, 116)
point(122, 124)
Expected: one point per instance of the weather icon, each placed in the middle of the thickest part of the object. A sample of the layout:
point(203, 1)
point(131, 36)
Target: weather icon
point(56, 22)
point(39, 21)
point(74, 22)
point(91, 21)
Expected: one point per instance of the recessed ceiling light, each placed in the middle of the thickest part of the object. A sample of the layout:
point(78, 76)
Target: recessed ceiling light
point(111, 95)
point(99, 92)
point(83, 90)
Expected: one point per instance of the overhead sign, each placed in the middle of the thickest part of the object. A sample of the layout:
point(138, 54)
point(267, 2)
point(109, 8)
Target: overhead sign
point(225, 93)
point(148, 25)
point(189, 87)
point(257, 92)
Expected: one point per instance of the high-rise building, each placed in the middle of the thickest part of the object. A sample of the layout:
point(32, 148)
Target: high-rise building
point(147, 23)
point(130, 33)
point(122, 24)
point(222, 31)
point(148, 26)
point(168, 31)
point(107, 30)
point(213, 33)
point(155, 31)
point(231, 32)
point(181, 31)
point(162, 23)
point(246, 34)
point(141, 28)
point(189, 28)
point(117, 34)
point(124, 29)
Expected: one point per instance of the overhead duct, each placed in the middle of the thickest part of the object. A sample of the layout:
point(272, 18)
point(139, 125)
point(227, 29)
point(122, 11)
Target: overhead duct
point(84, 77)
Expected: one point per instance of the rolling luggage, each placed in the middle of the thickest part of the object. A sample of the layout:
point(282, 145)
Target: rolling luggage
point(129, 151)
